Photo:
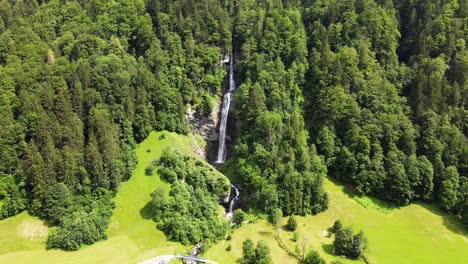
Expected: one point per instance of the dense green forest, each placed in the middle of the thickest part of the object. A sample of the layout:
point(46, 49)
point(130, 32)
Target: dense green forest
point(369, 92)
point(190, 213)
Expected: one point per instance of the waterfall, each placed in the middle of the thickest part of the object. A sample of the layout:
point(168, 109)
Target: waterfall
point(233, 201)
point(224, 113)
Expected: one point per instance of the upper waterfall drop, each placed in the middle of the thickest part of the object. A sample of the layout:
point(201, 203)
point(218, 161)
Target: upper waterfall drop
point(224, 113)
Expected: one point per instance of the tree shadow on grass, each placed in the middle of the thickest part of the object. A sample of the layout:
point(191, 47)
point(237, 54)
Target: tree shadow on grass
point(328, 248)
point(145, 212)
point(366, 201)
point(265, 233)
point(451, 222)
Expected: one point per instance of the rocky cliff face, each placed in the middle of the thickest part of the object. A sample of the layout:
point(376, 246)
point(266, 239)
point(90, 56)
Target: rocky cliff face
point(206, 126)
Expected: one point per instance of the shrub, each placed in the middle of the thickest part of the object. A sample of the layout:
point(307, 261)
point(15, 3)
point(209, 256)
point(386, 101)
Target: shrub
point(239, 217)
point(292, 223)
point(313, 258)
point(276, 215)
point(337, 226)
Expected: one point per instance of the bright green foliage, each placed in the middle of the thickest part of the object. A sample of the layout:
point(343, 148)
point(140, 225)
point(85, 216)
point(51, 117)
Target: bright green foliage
point(276, 216)
point(238, 217)
point(190, 213)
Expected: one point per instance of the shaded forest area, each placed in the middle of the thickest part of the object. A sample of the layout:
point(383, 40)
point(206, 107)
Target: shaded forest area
point(370, 92)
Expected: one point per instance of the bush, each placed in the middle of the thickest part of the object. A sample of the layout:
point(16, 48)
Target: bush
point(228, 248)
point(239, 217)
point(150, 169)
point(276, 215)
point(292, 223)
point(313, 258)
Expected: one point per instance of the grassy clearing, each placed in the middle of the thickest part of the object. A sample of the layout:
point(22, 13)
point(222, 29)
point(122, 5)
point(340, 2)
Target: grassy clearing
point(132, 235)
point(258, 231)
point(418, 233)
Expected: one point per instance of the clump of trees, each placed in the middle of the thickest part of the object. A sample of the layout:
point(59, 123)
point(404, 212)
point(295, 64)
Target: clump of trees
point(348, 244)
point(385, 97)
point(77, 223)
point(190, 213)
point(255, 255)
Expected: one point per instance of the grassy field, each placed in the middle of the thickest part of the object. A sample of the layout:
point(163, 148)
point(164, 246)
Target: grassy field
point(132, 236)
point(418, 233)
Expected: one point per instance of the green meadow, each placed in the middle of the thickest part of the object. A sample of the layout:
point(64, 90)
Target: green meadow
point(419, 233)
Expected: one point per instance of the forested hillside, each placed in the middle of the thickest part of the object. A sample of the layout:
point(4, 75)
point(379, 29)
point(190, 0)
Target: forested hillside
point(387, 97)
point(369, 92)
point(81, 82)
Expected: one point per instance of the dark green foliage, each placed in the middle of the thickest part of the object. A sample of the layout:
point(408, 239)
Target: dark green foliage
point(150, 169)
point(83, 226)
point(349, 245)
point(291, 225)
point(343, 243)
point(190, 213)
point(248, 252)
point(255, 255)
point(337, 225)
point(313, 258)
point(465, 214)
point(387, 112)
point(271, 152)
point(81, 82)
point(175, 166)
point(12, 199)
point(58, 203)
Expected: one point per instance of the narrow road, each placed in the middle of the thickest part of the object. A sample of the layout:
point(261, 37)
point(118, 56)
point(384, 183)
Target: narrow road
point(159, 260)
point(166, 258)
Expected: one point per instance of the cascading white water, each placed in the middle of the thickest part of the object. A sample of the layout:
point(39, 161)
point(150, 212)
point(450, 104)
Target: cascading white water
point(233, 201)
point(225, 112)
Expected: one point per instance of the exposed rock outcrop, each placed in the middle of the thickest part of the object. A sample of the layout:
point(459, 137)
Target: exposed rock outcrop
point(206, 126)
